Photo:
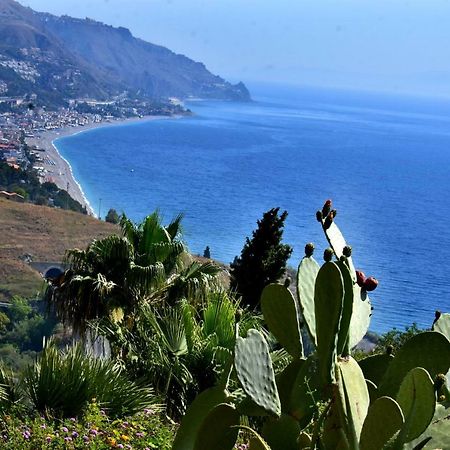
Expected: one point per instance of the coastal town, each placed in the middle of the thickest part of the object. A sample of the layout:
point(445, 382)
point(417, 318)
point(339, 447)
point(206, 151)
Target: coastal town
point(27, 133)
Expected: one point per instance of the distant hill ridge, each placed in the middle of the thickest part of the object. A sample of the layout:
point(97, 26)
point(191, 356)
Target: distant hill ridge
point(61, 58)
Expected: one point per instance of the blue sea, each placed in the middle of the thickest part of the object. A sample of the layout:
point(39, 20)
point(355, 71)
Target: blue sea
point(384, 160)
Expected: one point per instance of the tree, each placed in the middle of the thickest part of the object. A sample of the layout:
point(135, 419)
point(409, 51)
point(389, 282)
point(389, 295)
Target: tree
point(112, 216)
point(114, 276)
point(263, 258)
point(207, 253)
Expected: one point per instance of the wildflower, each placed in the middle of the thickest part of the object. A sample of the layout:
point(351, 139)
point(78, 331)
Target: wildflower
point(65, 429)
point(124, 437)
point(75, 434)
point(68, 439)
point(48, 438)
point(72, 419)
point(93, 431)
point(119, 446)
point(140, 434)
point(43, 426)
point(85, 438)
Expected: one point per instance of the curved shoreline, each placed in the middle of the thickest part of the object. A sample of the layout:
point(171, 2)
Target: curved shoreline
point(58, 169)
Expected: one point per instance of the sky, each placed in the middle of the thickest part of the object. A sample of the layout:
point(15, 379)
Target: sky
point(391, 45)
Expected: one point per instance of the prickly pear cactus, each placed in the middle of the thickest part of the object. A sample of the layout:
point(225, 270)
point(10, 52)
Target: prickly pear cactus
point(196, 413)
point(354, 396)
point(282, 433)
point(255, 372)
point(219, 429)
point(439, 431)
point(329, 298)
point(374, 367)
point(305, 392)
point(338, 243)
point(362, 312)
point(347, 310)
point(442, 324)
point(306, 280)
point(281, 315)
point(430, 350)
point(384, 419)
point(285, 382)
point(417, 399)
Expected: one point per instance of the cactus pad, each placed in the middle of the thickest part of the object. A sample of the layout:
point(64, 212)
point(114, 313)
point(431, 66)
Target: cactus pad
point(281, 315)
point(328, 299)
point(306, 391)
point(347, 310)
point(417, 399)
point(306, 280)
point(383, 420)
point(430, 350)
point(362, 311)
point(255, 372)
point(443, 325)
point(285, 382)
point(219, 429)
point(354, 395)
point(196, 413)
point(374, 367)
point(282, 433)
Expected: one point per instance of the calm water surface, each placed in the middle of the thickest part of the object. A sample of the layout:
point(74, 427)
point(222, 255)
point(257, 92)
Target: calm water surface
point(383, 160)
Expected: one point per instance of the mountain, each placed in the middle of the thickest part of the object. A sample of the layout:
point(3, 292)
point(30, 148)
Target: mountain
point(61, 58)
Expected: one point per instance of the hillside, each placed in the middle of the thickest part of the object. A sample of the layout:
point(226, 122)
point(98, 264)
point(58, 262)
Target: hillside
point(61, 58)
point(43, 234)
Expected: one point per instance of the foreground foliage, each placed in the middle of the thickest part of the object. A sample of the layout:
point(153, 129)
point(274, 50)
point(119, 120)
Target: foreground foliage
point(94, 430)
point(63, 382)
point(326, 400)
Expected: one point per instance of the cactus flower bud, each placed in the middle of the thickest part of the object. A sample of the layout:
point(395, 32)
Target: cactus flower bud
point(328, 221)
point(439, 381)
point(326, 208)
point(328, 254)
point(309, 249)
point(319, 216)
point(370, 284)
point(437, 315)
point(360, 278)
point(347, 251)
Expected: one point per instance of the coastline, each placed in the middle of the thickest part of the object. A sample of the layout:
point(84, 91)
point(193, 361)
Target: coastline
point(57, 169)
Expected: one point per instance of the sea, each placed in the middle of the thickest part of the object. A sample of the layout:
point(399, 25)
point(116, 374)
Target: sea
point(383, 159)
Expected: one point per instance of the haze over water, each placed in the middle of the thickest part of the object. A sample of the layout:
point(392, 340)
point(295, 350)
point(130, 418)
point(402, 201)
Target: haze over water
point(383, 160)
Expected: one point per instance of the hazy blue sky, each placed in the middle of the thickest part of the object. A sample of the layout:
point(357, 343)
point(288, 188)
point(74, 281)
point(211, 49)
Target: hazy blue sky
point(399, 45)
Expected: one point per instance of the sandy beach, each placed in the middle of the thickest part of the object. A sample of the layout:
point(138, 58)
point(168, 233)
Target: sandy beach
point(57, 169)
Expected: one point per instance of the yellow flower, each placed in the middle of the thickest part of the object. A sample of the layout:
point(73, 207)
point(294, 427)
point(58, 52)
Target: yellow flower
point(112, 442)
point(125, 438)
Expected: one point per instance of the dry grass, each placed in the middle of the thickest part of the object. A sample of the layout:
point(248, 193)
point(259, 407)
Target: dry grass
point(45, 234)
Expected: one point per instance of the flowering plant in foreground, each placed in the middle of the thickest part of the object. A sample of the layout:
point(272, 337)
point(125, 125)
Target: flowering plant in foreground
point(145, 430)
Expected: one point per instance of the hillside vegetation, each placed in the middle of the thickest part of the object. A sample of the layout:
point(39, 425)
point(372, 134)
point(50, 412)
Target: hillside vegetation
point(43, 234)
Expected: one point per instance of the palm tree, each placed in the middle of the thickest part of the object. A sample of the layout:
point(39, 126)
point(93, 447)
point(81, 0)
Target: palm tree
point(114, 276)
point(181, 350)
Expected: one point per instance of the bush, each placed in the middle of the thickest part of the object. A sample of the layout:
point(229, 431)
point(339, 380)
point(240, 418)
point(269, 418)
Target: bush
point(64, 382)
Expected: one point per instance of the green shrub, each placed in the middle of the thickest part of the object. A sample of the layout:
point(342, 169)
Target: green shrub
point(63, 382)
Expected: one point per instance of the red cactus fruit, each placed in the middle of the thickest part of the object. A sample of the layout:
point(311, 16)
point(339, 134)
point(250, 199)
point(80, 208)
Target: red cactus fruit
point(360, 278)
point(370, 284)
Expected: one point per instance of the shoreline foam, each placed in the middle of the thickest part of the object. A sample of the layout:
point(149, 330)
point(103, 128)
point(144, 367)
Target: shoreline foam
point(58, 169)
